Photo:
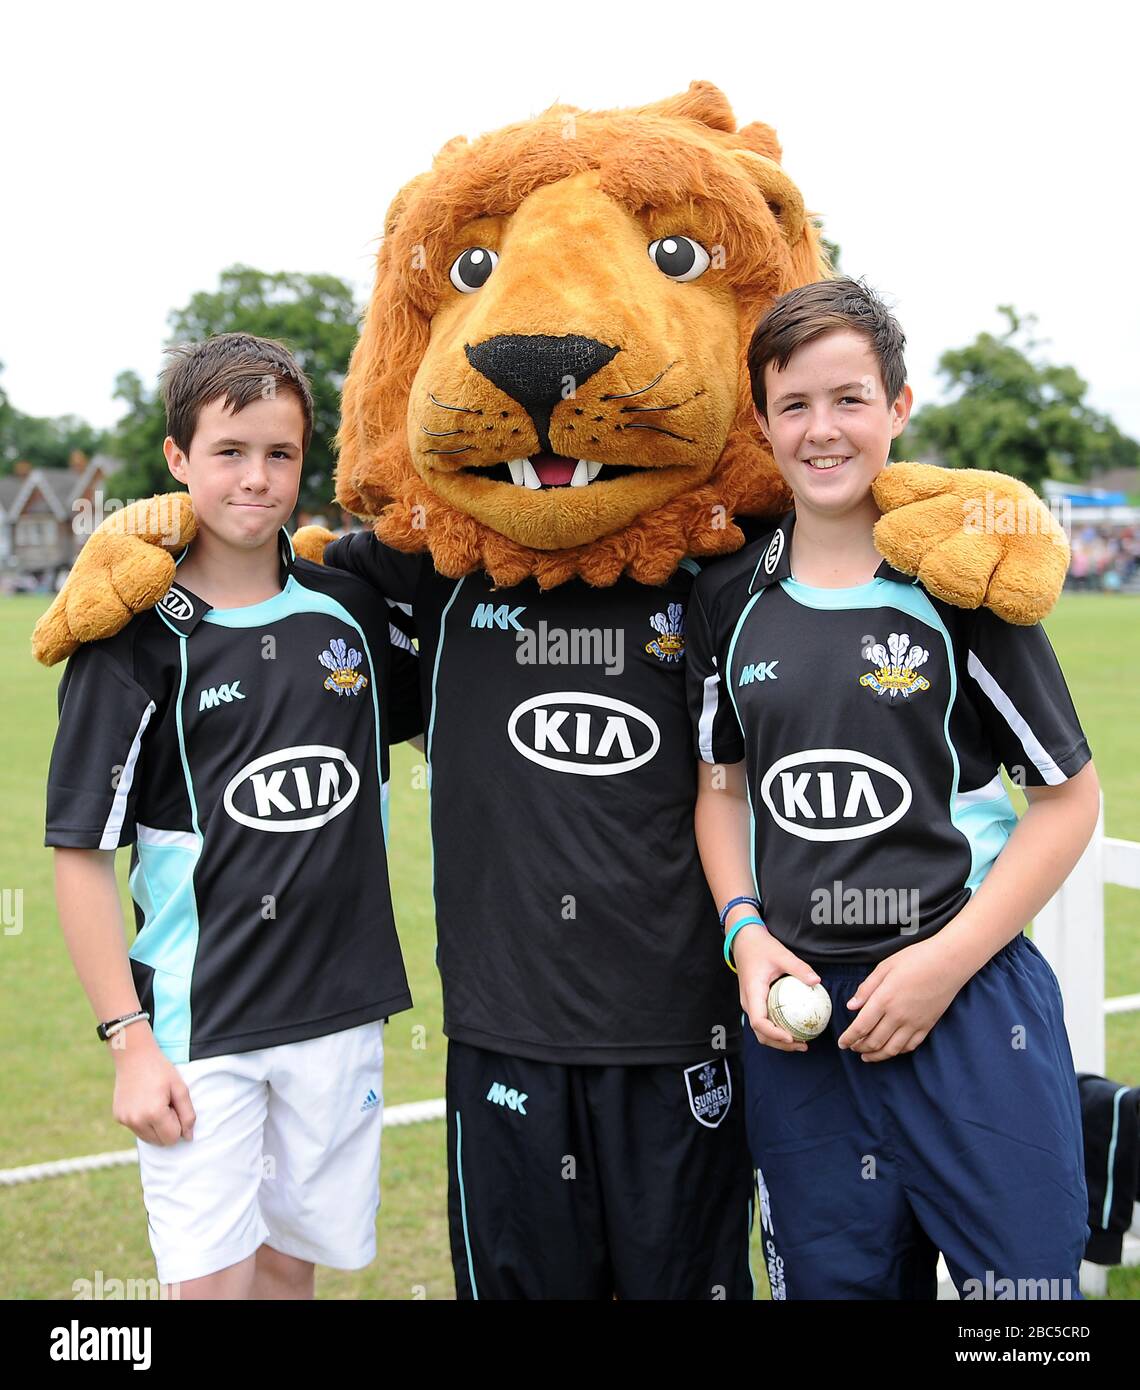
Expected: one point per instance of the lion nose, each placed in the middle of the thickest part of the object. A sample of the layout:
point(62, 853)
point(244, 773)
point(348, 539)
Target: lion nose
point(539, 371)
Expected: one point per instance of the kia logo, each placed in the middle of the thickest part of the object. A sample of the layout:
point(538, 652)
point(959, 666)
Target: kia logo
point(176, 604)
point(834, 794)
point(298, 788)
point(591, 735)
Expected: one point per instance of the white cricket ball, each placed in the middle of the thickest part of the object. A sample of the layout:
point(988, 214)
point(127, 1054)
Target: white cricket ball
point(804, 1010)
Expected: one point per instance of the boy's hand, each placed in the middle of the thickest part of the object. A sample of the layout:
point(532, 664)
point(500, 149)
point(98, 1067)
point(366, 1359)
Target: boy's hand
point(151, 1098)
point(900, 1001)
point(760, 959)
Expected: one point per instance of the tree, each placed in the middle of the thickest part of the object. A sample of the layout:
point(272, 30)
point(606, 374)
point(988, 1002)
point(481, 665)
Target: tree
point(1015, 413)
point(43, 441)
point(315, 316)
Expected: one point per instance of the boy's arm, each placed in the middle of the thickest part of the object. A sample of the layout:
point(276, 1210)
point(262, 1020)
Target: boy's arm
point(906, 995)
point(1038, 857)
point(1011, 676)
point(97, 768)
point(150, 1098)
point(723, 824)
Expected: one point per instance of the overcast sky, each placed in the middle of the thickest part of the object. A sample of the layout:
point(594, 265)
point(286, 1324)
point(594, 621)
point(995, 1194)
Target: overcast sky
point(974, 155)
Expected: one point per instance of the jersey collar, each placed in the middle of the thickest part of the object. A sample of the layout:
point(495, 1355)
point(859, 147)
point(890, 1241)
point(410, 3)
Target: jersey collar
point(775, 562)
point(182, 610)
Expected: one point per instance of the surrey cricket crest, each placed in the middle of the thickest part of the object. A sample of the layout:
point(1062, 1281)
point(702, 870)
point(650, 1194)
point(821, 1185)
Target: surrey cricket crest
point(896, 669)
point(342, 660)
point(669, 644)
point(709, 1085)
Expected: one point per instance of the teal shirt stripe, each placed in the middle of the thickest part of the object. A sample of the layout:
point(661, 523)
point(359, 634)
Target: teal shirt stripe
point(435, 672)
point(463, 1202)
point(431, 728)
point(162, 883)
point(1108, 1186)
point(727, 678)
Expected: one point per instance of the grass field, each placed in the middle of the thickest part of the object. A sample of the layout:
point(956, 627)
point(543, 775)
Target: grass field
point(56, 1080)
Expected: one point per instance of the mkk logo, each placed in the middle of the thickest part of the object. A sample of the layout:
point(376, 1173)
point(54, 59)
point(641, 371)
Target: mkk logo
point(834, 794)
point(512, 1099)
point(298, 788)
point(590, 735)
point(758, 671)
point(220, 695)
point(500, 615)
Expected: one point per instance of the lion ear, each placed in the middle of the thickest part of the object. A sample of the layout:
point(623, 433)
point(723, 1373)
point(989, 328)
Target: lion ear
point(399, 203)
point(780, 193)
point(761, 139)
point(787, 206)
point(702, 102)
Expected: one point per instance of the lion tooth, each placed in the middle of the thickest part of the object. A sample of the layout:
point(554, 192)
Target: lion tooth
point(516, 467)
point(581, 474)
point(592, 470)
point(530, 477)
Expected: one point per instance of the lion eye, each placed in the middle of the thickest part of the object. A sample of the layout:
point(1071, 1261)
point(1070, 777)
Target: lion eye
point(472, 268)
point(679, 257)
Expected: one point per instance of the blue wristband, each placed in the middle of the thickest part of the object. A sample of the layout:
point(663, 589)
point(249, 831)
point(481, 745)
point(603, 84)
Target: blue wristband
point(737, 902)
point(730, 937)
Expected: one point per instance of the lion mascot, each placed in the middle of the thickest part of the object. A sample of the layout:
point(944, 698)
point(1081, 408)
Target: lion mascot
point(547, 422)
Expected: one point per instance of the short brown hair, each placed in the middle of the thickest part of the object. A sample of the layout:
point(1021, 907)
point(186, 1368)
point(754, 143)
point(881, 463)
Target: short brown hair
point(809, 312)
point(238, 366)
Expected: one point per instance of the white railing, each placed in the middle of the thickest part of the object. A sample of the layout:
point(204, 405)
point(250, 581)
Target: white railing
point(1069, 930)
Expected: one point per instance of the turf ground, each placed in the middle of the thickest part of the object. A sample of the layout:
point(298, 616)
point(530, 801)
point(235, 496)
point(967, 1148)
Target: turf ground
point(55, 1084)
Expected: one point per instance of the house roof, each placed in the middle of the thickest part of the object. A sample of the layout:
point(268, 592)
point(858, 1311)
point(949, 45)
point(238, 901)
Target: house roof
point(60, 486)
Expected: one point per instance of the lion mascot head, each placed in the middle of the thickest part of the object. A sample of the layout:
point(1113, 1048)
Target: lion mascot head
point(550, 379)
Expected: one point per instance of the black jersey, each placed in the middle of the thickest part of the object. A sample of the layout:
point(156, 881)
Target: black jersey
point(243, 753)
point(873, 721)
point(574, 922)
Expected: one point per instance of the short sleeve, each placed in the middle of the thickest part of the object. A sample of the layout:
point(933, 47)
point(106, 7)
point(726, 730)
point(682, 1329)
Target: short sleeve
point(96, 760)
point(1016, 684)
point(716, 729)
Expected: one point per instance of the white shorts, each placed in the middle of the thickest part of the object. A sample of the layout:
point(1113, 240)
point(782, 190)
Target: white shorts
point(286, 1152)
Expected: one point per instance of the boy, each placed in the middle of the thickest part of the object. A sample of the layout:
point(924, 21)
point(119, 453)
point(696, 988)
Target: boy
point(863, 724)
point(236, 737)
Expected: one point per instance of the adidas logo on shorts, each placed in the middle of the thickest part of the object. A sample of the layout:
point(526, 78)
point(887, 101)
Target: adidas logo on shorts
point(371, 1101)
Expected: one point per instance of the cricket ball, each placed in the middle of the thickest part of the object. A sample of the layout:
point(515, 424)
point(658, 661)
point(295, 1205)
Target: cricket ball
point(802, 1009)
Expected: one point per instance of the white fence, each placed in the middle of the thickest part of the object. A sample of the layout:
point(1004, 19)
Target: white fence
point(1070, 932)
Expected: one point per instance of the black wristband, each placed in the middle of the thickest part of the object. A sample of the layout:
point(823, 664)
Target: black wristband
point(115, 1025)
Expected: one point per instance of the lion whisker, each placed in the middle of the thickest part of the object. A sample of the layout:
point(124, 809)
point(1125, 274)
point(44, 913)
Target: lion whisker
point(625, 395)
point(629, 409)
point(658, 430)
point(462, 450)
point(466, 410)
point(439, 434)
